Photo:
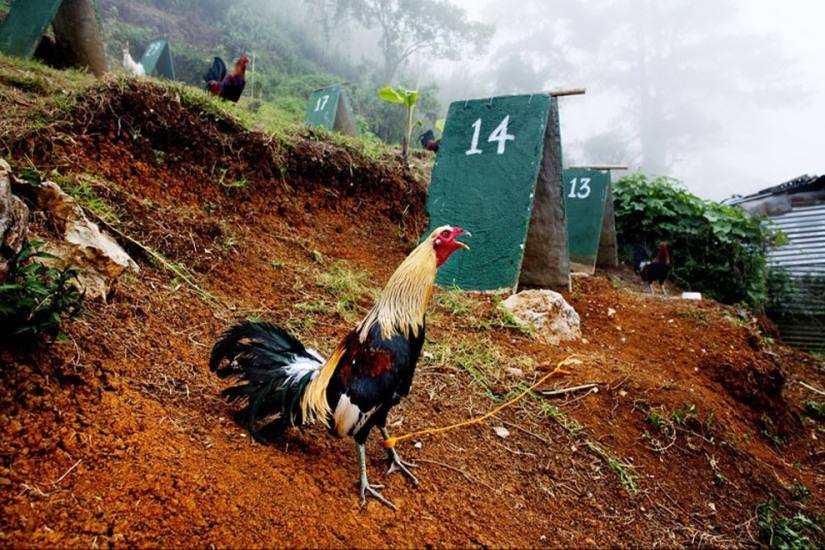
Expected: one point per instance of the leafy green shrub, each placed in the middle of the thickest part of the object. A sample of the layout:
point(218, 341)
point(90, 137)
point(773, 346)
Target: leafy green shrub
point(35, 299)
point(796, 532)
point(715, 249)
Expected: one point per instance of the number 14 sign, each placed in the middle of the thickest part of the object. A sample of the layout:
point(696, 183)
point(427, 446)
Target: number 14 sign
point(498, 159)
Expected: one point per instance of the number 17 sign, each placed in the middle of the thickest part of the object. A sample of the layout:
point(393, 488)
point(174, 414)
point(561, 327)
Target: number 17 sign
point(329, 108)
point(498, 175)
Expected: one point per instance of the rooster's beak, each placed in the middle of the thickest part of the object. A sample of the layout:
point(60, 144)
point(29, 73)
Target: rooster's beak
point(467, 233)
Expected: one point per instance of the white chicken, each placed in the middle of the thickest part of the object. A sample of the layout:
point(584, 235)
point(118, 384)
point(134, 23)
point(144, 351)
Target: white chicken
point(132, 67)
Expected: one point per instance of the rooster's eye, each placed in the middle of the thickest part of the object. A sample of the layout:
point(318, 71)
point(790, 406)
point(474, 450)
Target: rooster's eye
point(445, 233)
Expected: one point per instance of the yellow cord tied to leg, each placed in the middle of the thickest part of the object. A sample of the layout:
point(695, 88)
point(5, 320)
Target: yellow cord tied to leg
point(389, 443)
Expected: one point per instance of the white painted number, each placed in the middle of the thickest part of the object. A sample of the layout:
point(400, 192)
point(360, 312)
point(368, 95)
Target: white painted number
point(474, 150)
point(584, 189)
point(499, 134)
point(152, 49)
point(321, 103)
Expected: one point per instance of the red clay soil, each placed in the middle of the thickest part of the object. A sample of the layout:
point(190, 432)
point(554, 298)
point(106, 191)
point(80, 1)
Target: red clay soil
point(120, 438)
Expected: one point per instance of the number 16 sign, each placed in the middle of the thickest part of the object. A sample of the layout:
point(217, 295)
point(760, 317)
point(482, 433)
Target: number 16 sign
point(498, 175)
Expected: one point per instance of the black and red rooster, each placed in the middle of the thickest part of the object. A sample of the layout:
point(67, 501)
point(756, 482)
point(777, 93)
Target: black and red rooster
point(226, 86)
point(368, 373)
point(655, 270)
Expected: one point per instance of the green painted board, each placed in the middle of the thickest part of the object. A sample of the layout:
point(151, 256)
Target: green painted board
point(157, 59)
point(24, 26)
point(484, 181)
point(328, 108)
point(585, 194)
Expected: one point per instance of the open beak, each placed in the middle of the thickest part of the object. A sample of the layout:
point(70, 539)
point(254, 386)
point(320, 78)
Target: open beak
point(467, 233)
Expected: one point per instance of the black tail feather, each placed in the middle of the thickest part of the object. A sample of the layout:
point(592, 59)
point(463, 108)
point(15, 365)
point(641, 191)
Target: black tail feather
point(640, 256)
point(216, 72)
point(426, 138)
point(258, 354)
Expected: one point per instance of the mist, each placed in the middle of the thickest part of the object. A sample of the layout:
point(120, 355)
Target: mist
point(735, 88)
point(722, 95)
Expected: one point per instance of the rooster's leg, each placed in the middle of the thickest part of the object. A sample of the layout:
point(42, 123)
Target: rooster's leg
point(652, 291)
point(365, 489)
point(396, 464)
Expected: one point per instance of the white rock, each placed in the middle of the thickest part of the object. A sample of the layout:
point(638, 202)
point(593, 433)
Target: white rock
point(98, 256)
point(501, 431)
point(14, 220)
point(547, 311)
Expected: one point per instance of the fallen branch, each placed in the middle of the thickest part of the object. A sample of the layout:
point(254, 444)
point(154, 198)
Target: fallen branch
point(813, 389)
point(563, 391)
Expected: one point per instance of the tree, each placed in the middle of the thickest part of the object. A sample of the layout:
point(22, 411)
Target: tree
point(667, 65)
point(407, 27)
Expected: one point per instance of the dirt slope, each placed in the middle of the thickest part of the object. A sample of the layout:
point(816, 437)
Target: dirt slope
point(119, 437)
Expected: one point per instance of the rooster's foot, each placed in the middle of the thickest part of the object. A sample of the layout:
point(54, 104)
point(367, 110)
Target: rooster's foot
point(370, 490)
point(398, 465)
point(365, 488)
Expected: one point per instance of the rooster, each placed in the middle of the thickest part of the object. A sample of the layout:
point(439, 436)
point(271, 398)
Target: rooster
point(132, 67)
point(652, 271)
point(367, 374)
point(428, 141)
point(226, 86)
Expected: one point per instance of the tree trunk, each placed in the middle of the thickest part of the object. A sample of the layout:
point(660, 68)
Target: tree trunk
point(78, 35)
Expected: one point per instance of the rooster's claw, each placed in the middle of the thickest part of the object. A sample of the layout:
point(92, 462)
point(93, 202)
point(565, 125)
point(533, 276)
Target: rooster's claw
point(369, 490)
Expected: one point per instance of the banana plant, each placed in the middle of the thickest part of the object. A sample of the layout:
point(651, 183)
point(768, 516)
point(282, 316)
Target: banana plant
point(404, 97)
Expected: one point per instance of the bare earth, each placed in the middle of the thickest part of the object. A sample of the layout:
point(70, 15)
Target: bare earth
point(120, 438)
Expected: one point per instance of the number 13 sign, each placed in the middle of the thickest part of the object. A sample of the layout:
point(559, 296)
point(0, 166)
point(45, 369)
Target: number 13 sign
point(491, 158)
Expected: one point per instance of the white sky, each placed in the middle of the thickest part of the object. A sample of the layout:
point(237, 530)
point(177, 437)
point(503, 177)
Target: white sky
point(767, 147)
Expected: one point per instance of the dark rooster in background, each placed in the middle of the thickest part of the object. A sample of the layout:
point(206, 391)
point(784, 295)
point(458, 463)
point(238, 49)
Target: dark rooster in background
point(652, 271)
point(368, 373)
point(428, 141)
point(226, 86)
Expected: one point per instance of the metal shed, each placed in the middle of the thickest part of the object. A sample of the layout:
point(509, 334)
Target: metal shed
point(797, 207)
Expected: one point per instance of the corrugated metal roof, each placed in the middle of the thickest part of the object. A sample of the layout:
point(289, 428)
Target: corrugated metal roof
point(805, 251)
point(801, 316)
point(797, 207)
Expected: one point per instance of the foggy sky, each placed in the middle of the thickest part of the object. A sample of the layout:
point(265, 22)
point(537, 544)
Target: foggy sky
point(758, 147)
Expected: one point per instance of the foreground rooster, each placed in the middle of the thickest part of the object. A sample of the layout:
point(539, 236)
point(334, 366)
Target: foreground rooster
point(368, 373)
point(226, 86)
point(652, 271)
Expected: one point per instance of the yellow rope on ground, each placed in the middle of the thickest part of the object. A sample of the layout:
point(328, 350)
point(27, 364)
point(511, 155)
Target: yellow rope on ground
point(389, 443)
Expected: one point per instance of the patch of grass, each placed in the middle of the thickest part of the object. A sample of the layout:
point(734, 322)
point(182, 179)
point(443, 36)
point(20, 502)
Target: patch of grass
point(349, 289)
point(814, 409)
point(454, 301)
point(502, 318)
point(767, 431)
point(667, 425)
point(625, 470)
point(799, 491)
point(576, 430)
point(481, 360)
point(319, 307)
point(695, 314)
point(228, 186)
point(82, 190)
